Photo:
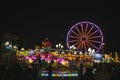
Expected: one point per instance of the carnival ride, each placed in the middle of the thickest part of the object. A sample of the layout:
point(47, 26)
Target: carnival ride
point(85, 35)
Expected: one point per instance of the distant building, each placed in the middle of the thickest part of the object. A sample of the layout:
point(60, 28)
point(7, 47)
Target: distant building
point(7, 56)
point(8, 37)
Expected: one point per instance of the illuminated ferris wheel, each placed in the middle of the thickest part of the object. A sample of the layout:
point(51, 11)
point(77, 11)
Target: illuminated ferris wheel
point(84, 35)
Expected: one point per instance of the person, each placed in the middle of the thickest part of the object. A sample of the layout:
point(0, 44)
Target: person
point(80, 72)
point(50, 70)
point(39, 67)
point(89, 74)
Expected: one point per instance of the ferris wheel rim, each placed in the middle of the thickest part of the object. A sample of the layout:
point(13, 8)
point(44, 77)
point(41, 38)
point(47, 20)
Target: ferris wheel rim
point(85, 22)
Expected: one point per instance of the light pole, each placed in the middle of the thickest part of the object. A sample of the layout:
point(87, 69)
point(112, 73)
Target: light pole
point(7, 43)
point(59, 47)
point(15, 48)
point(11, 50)
point(72, 49)
point(22, 49)
point(91, 51)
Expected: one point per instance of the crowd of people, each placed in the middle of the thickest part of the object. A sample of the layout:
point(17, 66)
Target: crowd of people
point(103, 71)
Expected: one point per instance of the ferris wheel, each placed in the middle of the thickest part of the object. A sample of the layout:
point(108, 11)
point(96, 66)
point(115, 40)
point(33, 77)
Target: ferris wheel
point(84, 35)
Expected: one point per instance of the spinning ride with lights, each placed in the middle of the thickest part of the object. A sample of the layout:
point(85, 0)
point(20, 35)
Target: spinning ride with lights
point(84, 35)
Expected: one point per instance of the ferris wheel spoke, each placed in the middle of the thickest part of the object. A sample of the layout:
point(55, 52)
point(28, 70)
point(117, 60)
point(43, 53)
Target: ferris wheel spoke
point(87, 45)
point(81, 45)
point(73, 41)
point(75, 33)
point(89, 31)
point(84, 45)
point(82, 29)
point(78, 30)
point(73, 37)
point(92, 45)
point(78, 47)
point(94, 37)
point(86, 28)
point(93, 33)
point(94, 41)
point(79, 42)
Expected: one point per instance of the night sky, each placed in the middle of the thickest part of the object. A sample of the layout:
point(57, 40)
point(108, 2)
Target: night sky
point(33, 22)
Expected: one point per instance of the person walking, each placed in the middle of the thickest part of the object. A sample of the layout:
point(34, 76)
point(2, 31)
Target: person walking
point(80, 72)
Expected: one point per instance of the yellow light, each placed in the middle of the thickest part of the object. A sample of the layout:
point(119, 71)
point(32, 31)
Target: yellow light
point(30, 60)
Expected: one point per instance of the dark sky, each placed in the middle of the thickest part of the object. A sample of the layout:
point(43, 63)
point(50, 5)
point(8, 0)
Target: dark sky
point(32, 22)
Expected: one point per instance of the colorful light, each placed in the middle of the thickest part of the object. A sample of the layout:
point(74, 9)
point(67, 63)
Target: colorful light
point(60, 75)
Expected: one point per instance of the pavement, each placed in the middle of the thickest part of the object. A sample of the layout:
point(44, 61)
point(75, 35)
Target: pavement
point(18, 73)
point(103, 75)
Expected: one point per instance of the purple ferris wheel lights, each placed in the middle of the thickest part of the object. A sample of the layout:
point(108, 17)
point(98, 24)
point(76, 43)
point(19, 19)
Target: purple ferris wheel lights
point(83, 35)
